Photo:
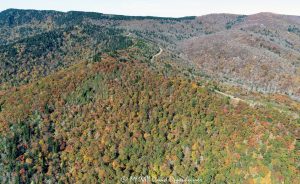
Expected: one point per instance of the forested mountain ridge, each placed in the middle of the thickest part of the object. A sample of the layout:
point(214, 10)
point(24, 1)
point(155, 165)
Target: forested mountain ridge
point(47, 52)
point(259, 52)
point(83, 99)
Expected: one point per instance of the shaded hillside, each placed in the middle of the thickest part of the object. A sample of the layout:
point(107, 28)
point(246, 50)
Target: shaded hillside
point(17, 24)
point(47, 52)
point(37, 43)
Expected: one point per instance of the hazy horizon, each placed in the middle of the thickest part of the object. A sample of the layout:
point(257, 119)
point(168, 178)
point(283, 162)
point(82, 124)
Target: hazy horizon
point(166, 8)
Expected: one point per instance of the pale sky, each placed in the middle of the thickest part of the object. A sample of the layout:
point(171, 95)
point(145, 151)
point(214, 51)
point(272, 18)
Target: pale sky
point(165, 8)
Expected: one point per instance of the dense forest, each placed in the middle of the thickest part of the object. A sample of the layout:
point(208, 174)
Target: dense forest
point(48, 52)
point(86, 103)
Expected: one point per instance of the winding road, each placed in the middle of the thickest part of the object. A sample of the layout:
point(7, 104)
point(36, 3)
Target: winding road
point(129, 34)
point(234, 98)
point(158, 54)
point(254, 104)
point(153, 57)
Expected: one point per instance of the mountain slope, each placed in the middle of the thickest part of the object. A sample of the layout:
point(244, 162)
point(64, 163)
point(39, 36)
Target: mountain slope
point(44, 53)
point(260, 52)
point(94, 121)
point(265, 46)
point(94, 98)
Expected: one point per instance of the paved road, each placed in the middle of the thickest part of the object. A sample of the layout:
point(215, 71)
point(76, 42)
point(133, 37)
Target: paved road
point(253, 104)
point(158, 54)
point(230, 96)
point(129, 34)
